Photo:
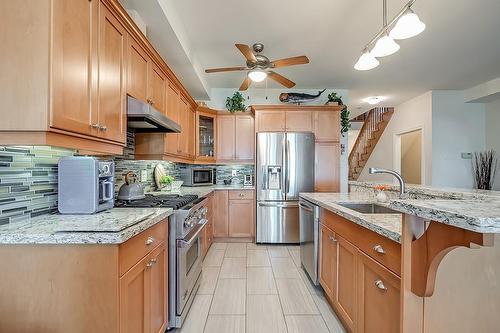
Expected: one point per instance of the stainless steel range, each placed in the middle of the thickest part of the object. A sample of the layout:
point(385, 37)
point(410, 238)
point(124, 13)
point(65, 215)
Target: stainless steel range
point(184, 248)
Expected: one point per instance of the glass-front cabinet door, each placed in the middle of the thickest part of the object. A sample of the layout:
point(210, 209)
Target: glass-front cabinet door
point(206, 120)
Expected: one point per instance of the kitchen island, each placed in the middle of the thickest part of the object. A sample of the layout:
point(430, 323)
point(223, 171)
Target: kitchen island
point(449, 262)
point(105, 272)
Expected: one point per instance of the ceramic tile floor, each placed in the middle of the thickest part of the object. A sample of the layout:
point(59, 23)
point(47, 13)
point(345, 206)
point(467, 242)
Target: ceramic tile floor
point(257, 289)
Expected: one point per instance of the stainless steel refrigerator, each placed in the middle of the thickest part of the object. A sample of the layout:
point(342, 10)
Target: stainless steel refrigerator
point(285, 167)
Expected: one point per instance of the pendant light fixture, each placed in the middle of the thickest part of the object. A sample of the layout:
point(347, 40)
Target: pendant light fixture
point(405, 24)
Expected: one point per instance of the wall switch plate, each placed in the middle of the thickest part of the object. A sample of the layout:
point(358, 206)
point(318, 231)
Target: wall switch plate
point(144, 176)
point(467, 156)
point(234, 173)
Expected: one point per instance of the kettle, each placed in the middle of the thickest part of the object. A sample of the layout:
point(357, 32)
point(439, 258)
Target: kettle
point(131, 190)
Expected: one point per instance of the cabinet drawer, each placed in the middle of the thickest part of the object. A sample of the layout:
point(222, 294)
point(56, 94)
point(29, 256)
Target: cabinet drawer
point(140, 245)
point(347, 229)
point(381, 249)
point(241, 195)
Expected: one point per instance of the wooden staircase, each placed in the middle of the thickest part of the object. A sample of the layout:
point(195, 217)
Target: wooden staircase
point(374, 125)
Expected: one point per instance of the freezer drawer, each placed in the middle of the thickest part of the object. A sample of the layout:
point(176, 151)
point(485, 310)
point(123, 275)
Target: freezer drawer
point(278, 222)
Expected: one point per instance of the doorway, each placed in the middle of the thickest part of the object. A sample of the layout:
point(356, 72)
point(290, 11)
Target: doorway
point(411, 157)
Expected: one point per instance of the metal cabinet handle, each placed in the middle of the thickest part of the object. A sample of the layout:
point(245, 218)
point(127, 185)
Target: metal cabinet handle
point(97, 126)
point(241, 195)
point(150, 240)
point(380, 285)
point(149, 264)
point(379, 249)
point(333, 239)
point(103, 128)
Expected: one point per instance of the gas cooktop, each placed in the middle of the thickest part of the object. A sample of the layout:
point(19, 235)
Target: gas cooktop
point(174, 201)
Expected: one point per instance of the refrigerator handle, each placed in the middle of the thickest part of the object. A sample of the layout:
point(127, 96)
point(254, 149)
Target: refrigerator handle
point(286, 163)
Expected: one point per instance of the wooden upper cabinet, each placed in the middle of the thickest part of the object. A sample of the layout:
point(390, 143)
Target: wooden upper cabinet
point(111, 97)
point(74, 61)
point(328, 261)
point(138, 69)
point(226, 137)
point(327, 126)
point(183, 143)
point(378, 297)
point(327, 167)
point(345, 299)
point(299, 121)
point(192, 132)
point(245, 138)
point(241, 218)
point(173, 107)
point(157, 88)
point(270, 121)
point(205, 134)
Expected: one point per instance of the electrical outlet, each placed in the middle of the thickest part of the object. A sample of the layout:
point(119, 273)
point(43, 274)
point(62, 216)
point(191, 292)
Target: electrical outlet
point(144, 176)
point(234, 173)
point(466, 156)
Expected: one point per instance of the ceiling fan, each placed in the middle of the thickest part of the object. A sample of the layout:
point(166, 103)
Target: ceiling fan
point(259, 66)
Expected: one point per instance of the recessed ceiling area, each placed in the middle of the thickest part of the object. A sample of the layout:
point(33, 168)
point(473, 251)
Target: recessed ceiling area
point(459, 48)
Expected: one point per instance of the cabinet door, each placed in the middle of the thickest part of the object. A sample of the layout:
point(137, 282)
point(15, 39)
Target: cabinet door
point(270, 121)
point(328, 261)
point(138, 68)
point(327, 167)
point(183, 148)
point(173, 105)
point(345, 299)
point(241, 218)
point(135, 299)
point(327, 126)
point(206, 129)
point(158, 275)
point(74, 58)
point(220, 217)
point(245, 138)
point(299, 121)
point(225, 137)
point(378, 297)
point(191, 131)
point(157, 89)
point(111, 96)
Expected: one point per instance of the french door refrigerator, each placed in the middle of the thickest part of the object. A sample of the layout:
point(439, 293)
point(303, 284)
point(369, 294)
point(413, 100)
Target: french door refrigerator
point(284, 168)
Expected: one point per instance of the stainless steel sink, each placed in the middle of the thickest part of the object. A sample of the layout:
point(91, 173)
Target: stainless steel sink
point(368, 208)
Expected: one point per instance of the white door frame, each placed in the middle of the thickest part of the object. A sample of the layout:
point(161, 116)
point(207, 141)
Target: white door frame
point(397, 151)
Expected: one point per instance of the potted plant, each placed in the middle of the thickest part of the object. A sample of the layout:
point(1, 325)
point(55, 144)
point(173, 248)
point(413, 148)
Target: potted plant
point(166, 181)
point(235, 103)
point(345, 122)
point(334, 99)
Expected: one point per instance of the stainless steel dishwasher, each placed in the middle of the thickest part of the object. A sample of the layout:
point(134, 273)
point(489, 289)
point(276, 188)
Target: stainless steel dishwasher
point(309, 238)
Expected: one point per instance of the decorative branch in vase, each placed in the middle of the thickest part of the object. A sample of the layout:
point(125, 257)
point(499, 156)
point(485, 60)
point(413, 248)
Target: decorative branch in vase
point(484, 167)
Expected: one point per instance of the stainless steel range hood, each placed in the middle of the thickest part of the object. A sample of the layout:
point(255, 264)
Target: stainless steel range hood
point(144, 118)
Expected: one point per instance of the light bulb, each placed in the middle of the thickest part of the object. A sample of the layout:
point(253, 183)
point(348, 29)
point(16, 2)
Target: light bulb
point(257, 75)
point(366, 62)
point(407, 26)
point(385, 46)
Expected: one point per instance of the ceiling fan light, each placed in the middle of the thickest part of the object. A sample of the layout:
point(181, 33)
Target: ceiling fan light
point(384, 46)
point(366, 62)
point(257, 75)
point(409, 25)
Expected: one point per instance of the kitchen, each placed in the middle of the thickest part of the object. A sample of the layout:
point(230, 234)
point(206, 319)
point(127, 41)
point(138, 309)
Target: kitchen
point(127, 204)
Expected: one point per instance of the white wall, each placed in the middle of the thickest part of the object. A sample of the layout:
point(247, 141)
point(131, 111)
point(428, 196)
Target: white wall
point(493, 133)
point(258, 96)
point(411, 115)
point(458, 127)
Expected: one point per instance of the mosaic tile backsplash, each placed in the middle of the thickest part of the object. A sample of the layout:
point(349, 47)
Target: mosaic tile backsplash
point(28, 181)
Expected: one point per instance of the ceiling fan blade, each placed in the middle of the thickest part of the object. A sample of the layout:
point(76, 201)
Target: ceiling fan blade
point(247, 52)
point(300, 60)
point(281, 79)
point(246, 83)
point(225, 69)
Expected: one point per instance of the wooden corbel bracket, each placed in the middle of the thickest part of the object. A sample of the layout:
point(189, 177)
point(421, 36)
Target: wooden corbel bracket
point(428, 250)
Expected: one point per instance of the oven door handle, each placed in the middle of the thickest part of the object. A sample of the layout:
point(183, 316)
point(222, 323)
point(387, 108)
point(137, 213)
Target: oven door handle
point(183, 243)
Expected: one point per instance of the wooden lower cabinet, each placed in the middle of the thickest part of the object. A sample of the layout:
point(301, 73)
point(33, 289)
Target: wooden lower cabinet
point(364, 293)
point(328, 261)
point(378, 297)
point(241, 217)
point(220, 216)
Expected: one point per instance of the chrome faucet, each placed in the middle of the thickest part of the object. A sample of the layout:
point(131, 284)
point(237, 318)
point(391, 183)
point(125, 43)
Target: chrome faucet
point(391, 172)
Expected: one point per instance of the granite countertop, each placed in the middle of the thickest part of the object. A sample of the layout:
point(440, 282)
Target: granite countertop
point(387, 225)
point(114, 226)
point(203, 191)
point(475, 215)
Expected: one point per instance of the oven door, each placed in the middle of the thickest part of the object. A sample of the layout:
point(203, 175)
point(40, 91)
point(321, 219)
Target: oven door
point(202, 176)
point(188, 266)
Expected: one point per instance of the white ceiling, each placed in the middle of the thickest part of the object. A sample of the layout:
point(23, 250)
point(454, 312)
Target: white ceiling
point(459, 49)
